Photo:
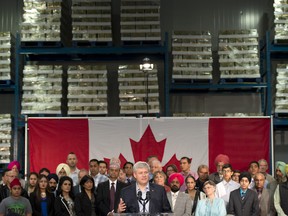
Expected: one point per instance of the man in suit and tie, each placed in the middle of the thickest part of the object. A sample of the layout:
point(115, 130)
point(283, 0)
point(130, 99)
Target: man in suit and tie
point(263, 194)
point(180, 202)
point(143, 196)
point(108, 192)
point(244, 201)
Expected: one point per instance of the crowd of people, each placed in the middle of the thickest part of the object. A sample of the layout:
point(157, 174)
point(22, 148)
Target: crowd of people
point(145, 188)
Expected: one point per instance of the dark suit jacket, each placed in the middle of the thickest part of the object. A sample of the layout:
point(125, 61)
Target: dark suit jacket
point(158, 203)
point(247, 207)
point(60, 207)
point(36, 204)
point(103, 197)
point(83, 204)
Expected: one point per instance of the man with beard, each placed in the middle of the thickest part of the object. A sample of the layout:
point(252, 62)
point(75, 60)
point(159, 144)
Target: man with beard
point(53, 182)
point(179, 201)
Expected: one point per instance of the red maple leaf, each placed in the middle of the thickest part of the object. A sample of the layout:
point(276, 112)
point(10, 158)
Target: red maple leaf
point(147, 146)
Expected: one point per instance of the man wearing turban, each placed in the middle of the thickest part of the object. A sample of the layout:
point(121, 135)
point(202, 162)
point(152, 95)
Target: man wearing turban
point(180, 202)
point(281, 192)
point(220, 160)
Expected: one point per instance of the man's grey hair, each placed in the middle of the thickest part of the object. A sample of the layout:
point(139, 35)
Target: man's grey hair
point(140, 165)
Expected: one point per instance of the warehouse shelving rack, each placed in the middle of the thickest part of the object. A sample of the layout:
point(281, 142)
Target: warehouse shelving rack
point(174, 88)
point(274, 52)
point(60, 55)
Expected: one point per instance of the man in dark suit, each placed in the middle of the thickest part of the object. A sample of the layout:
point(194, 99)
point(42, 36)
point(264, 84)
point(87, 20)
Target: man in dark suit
point(143, 197)
point(107, 201)
point(244, 201)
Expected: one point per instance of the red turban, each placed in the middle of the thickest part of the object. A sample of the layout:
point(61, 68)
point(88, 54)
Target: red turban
point(178, 176)
point(12, 164)
point(222, 158)
point(15, 182)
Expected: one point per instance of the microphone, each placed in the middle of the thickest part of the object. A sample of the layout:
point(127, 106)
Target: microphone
point(148, 196)
point(139, 196)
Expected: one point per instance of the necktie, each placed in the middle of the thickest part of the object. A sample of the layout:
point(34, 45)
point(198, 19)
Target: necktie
point(242, 195)
point(112, 196)
point(174, 197)
point(259, 194)
point(128, 181)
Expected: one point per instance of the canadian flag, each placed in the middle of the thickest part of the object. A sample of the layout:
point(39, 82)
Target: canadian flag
point(133, 139)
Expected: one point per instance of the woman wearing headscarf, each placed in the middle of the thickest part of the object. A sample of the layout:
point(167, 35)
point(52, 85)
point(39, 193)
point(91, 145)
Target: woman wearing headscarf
point(194, 194)
point(85, 202)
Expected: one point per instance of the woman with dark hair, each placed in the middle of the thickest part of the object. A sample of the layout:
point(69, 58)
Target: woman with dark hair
point(42, 200)
point(195, 195)
point(85, 202)
point(64, 202)
point(170, 169)
point(32, 182)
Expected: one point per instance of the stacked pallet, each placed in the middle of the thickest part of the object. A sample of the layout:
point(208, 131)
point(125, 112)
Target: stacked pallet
point(87, 89)
point(42, 89)
point(192, 55)
point(91, 20)
point(133, 90)
point(140, 20)
point(281, 20)
point(238, 54)
point(41, 20)
point(6, 57)
point(5, 137)
point(281, 97)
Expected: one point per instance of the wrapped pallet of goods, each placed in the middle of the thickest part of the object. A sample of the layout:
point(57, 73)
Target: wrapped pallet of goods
point(133, 90)
point(91, 20)
point(239, 54)
point(42, 89)
point(281, 97)
point(192, 55)
point(140, 20)
point(42, 21)
point(87, 90)
point(281, 21)
point(5, 137)
point(7, 42)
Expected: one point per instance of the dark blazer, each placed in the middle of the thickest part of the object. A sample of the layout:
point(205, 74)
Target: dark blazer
point(61, 207)
point(76, 189)
point(83, 204)
point(36, 204)
point(103, 197)
point(247, 207)
point(158, 203)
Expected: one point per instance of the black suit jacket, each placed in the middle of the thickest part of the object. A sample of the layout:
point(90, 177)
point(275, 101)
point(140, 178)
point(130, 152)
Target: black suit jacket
point(158, 203)
point(249, 206)
point(36, 204)
point(103, 197)
point(83, 204)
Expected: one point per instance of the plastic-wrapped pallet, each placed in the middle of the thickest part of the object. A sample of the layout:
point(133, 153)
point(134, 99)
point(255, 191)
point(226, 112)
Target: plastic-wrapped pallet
point(238, 54)
point(133, 90)
point(41, 20)
point(192, 55)
point(87, 89)
point(140, 20)
point(281, 20)
point(281, 97)
point(5, 137)
point(42, 89)
point(6, 55)
point(91, 20)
